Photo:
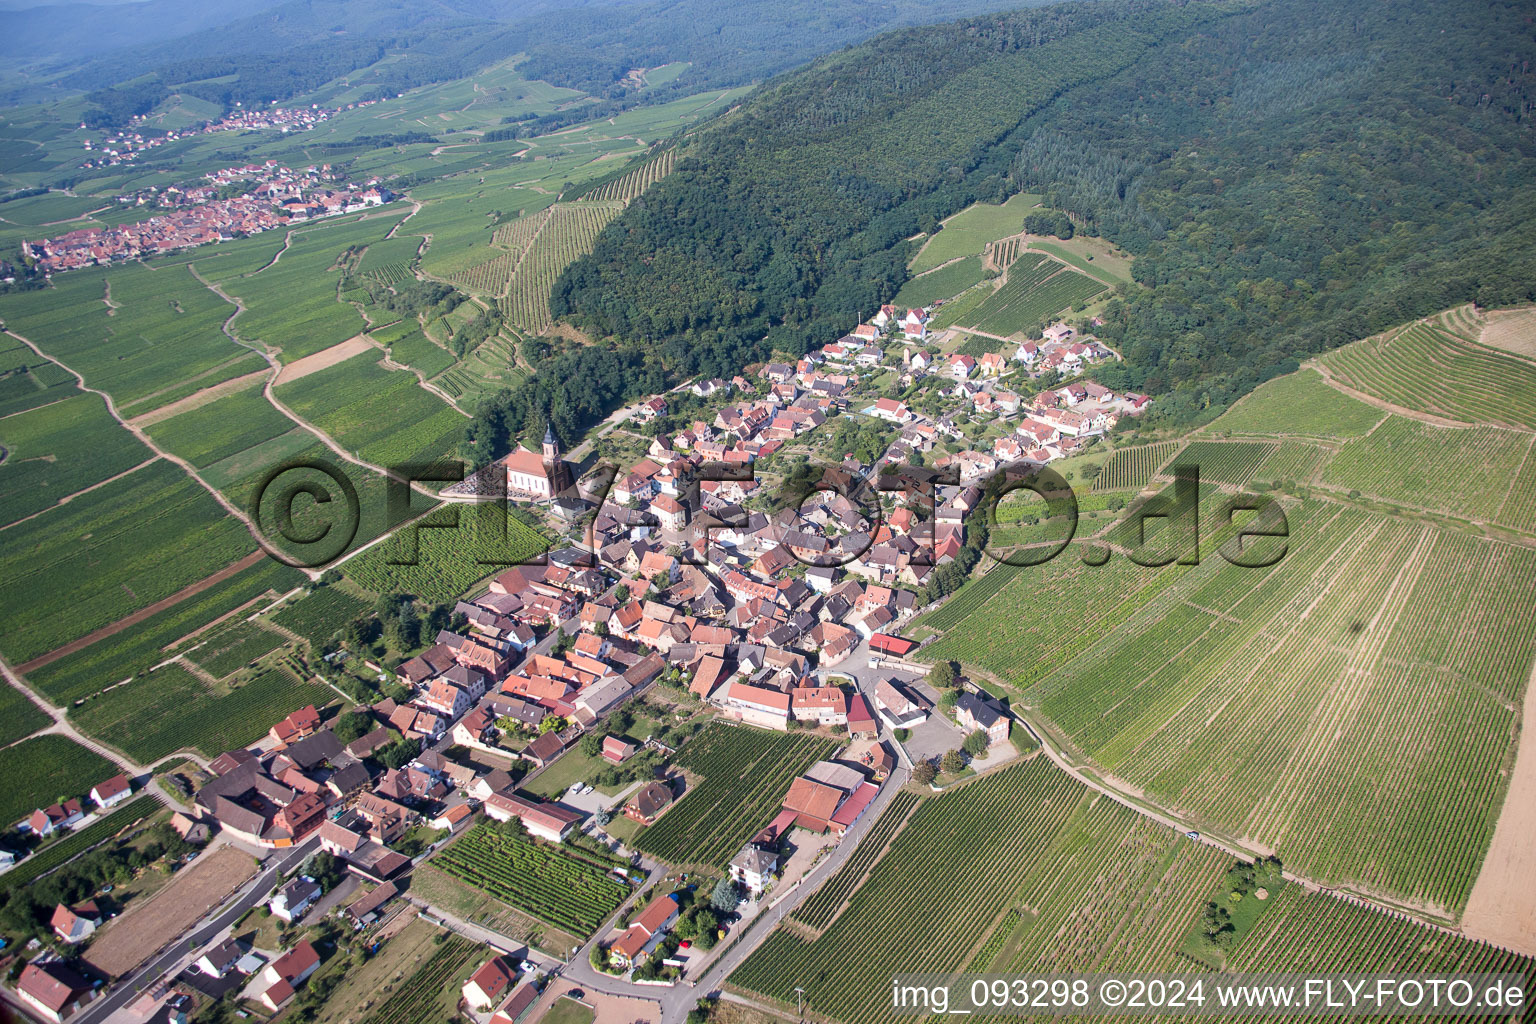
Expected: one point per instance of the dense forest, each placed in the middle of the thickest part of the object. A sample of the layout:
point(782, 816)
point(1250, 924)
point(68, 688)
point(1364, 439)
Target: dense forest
point(1291, 176)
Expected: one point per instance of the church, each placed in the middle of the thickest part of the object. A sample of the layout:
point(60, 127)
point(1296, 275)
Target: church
point(538, 476)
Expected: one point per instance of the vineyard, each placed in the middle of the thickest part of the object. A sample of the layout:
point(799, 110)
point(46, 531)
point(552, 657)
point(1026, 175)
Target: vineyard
point(77, 842)
point(1222, 462)
point(569, 233)
point(1294, 460)
point(1038, 288)
point(1428, 370)
point(317, 615)
point(419, 997)
point(746, 773)
point(171, 709)
point(1005, 251)
point(819, 910)
point(488, 278)
point(1026, 872)
point(567, 888)
point(1477, 472)
point(631, 185)
point(1022, 870)
point(950, 279)
point(1132, 468)
point(233, 647)
point(447, 561)
point(44, 768)
point(1299, 404)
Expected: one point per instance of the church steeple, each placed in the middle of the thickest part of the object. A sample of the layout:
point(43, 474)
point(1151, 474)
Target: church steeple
point(551, 446)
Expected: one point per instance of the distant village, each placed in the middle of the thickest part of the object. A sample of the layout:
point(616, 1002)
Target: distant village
point(125, 145)
point(270, 196)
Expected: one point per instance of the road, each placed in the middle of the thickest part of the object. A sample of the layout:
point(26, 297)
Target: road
point(257, 888)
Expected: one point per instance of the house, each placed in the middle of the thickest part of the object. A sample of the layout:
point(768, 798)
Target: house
point(853, 808)
point(365, 910)
point(45, 820)
point(455, 817)
point(898, 709)
point(617, 750)
point(75, 924)
point(53, 990)
point(824, 705)
point(646, 805)
point(487, 985)
point(112, 792)
point(976, 711)
point(754, 868)
point(645, 932)
point(1059, 333)
point(219, 960)
point(758, 705)
point(992, 364)
point(914, 326)
point(813, 802)
point(516, 1005)
point(543, 821)
point(892, 410)
point(296, 726)
point(284, 975)
point(293, 899)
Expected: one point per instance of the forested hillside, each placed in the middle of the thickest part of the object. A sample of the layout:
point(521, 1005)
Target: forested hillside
point(1291, 177)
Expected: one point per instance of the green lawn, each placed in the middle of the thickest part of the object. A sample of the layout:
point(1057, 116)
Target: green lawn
point(968, 232)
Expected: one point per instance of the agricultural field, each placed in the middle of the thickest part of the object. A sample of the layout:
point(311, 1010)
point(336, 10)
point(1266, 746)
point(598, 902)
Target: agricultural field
point(171, 709)
point(222, 428)
point(491, 366)
point(43, 769)
point(968, 232)
point(125, 545)
point(415, 350)
point(567, 888)
point(28, 380)
point(570, 231)
point(117, 657)
point(1037, 289)
point(1296, 461)
point(447, 561)
point(1426, 369)
point(385, 416)
point(822, 907)
point(943, 283)
point(1132, 468)
point(421, 997)
point(1474, 472)
point(317, 615)
point(55, 451)
point(1513, 330)
point(19, 717)
point(1058, 879)
point(225, 650)
point(1298, 404)
point(631, 184)
point(1222, 462)
point(292, 305)
point(746, 773)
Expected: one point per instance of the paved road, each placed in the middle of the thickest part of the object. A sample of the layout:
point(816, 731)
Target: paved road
point(126, 988)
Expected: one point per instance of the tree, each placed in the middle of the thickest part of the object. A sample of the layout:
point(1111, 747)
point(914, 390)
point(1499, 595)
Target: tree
point(591, 744)
point(352, 725)
point(923, 773)
point(942, 676)
point(725, 896)
point(976, 743)
point(953, 763)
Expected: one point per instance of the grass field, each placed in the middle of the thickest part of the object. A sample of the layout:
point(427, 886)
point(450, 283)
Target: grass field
point(1025, 871)
point(44, 770)
point(1427, 369)
point(1298, 405)
point(746, 773)
point(967, 232)
point(171, 708)
point(943, 283)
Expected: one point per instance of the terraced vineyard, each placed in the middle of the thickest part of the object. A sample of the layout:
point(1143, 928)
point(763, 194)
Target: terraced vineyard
point(631, 185)
point(1132, 468)
point(1038, 288)
point(570, 232)
point(488, 278)
point(563, 887)
point(1025, 871)
point(1222, 462)
point(746, 773)
point(1424, 368)
point(1292, 460)
point(418, 998)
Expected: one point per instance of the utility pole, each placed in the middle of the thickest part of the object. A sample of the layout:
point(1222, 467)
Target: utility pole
point(799, 1002)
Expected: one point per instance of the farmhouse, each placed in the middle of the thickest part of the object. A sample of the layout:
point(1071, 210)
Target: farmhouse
point(543, 821)
point(754, 868)
point(284, 975)
point(77, 923)
point(52, 990)
point(975, 711)
point(112, 792)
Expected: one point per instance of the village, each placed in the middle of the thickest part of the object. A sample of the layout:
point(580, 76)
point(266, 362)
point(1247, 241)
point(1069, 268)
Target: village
point(692, 600)
point(268, 196)
point(125, 145)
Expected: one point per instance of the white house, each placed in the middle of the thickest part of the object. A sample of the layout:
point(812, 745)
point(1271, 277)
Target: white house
point(754, 867)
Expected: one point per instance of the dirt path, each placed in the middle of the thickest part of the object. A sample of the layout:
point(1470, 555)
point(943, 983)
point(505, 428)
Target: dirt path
point(198, 399)
point(323, 360)
point(113, 628)
point(287, 241)
point(1502, 907)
